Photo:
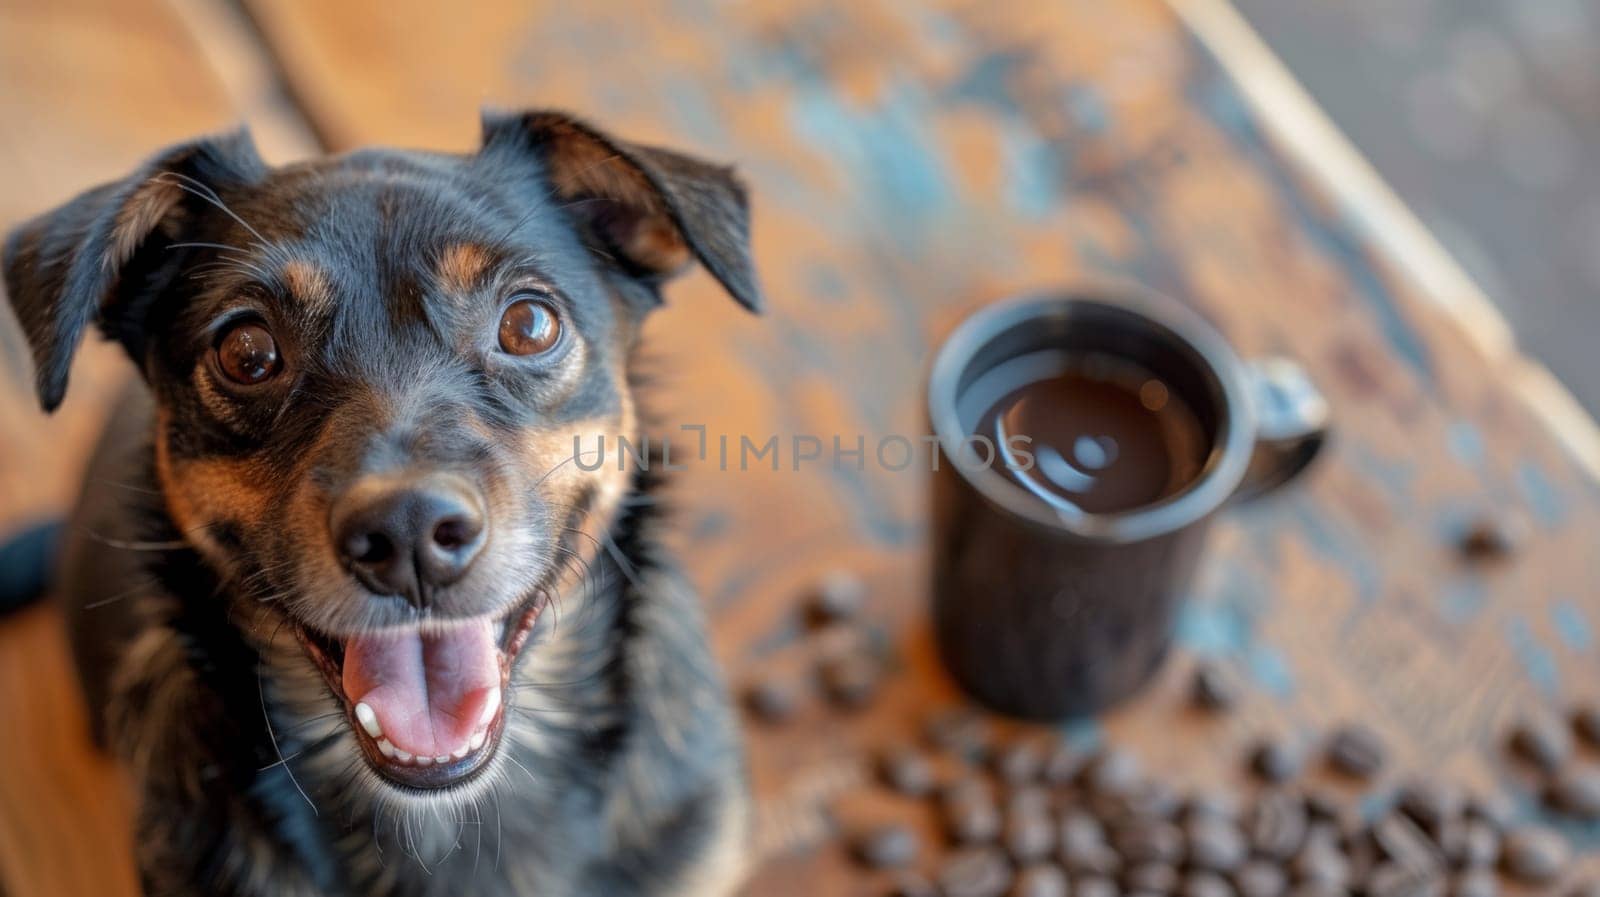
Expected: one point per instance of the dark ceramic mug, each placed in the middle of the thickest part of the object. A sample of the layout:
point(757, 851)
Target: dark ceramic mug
point(1044, 614)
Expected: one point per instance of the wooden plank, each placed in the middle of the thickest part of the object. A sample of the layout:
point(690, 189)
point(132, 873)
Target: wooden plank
point(88, 89)
point(913, 161)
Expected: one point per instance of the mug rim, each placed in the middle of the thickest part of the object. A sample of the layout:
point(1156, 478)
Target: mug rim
point(1225, 465)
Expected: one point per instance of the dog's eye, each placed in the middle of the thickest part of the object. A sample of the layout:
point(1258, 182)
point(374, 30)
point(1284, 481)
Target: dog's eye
point(248, 355)
point(529, 327)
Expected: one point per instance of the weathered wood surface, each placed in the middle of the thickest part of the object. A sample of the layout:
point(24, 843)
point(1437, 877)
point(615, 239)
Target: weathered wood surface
point(909, 163)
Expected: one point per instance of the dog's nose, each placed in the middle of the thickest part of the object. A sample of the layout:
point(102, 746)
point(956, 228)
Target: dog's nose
point(408, 537)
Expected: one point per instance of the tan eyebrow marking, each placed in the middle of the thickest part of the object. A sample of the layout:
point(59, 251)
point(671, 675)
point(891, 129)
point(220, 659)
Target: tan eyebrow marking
point(460, 266)
point(308, 284)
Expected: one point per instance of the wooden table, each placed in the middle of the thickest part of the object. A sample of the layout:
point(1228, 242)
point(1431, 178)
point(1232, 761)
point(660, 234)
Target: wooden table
point(910, 162)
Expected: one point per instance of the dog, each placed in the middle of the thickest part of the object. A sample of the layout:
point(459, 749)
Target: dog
point(337, 596)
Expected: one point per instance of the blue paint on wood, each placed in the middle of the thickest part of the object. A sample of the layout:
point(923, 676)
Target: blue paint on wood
point(1465, 443)
point(1535, 658)
point(1269, 668)
point(1572, 625)
point(1460, 600)
point(1033, 169)
point(1548, 506)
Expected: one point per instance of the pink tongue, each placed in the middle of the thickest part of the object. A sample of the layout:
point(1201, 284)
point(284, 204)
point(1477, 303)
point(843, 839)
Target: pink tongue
point(429, 692)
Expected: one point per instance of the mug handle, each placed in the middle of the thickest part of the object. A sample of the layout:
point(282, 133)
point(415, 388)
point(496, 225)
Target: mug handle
point(1292, 422)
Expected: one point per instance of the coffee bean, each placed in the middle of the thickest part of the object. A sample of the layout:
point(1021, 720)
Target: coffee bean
point(1494, 809)
point(1063, 763)
point(1149, 841)
point(1276, 824)
point(1112, 771)
point(837, 597)
point(1211, 804)
point(1590, 888)
point(962, 732)
point(1576, 792)
point(907, 771)
point(1157, 878)
point(1534, 855)
point(1274, 761)
point(1542, 741)
point(773, 700)
point(1150, 798)
point(1041, 880)
point(1213, 687)
point(1399, 838)
point(975, 872)
point(1018, 763)
point(1586, 723)
point(972, 821)
point(1261, 878)
point(1475, 883)
point(1215, 844)
point(887, 846)
point(1095, 886)
point(1320, 860)
point(1471, 844)
point(1431, 802)
point(1399, 880)
point(912, 884)
point(1082, 846)
point(851, 680)
point(1492, 535)
point(1206, 884)
point(1029, 836)
point(1355, 750)
point(1031, 799)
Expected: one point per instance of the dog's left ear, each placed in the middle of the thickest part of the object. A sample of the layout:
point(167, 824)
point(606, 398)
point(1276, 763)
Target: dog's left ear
point(654, 210)
point(101, 257)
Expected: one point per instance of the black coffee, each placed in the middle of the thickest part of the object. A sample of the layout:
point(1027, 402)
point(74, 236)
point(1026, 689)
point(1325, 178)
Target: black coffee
point(1106, 435)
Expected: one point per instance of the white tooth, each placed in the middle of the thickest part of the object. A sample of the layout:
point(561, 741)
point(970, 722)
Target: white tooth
point(490, 707)
point(385, 748)
point(368, 720)
point(460, 753)
point(424, 761)
point(402, 756)
point(442, 758)
point(478, 738)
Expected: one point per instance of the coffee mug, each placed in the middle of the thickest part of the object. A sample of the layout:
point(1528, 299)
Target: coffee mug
point(1045, 606)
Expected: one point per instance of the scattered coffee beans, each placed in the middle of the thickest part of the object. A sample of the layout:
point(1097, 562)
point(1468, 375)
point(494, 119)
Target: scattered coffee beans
point(1274, 761)
point(1213, 687)
point(1576, 792)
point(773, 700)
point(1215, 843)
point(837, 597)
point(1542, 741)
point(912, 884)
point(1355, 750)
point(907, 771)
point(1534, 855)
point(975, 872)
point(887, 846)
point(1586, 723)
point(851, 680)
point(1042, 880)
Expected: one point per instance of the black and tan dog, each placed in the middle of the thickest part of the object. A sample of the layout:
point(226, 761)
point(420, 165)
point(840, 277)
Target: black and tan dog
point(339, 598)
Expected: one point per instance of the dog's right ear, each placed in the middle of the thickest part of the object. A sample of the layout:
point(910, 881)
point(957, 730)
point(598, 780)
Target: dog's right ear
point(101, 256)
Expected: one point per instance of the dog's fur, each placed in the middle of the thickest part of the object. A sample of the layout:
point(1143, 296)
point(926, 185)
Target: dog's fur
point(201, 544)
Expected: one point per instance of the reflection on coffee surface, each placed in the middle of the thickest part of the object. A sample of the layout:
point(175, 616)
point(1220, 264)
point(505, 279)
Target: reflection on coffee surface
point(1105, 435)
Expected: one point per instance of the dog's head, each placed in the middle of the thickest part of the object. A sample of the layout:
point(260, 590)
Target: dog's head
point(370, 370)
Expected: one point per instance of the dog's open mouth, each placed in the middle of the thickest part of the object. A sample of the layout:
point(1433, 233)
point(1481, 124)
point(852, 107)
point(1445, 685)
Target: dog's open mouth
point(427, 706)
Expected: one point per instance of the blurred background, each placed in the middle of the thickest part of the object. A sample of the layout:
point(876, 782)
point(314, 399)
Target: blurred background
point(1485, 116)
